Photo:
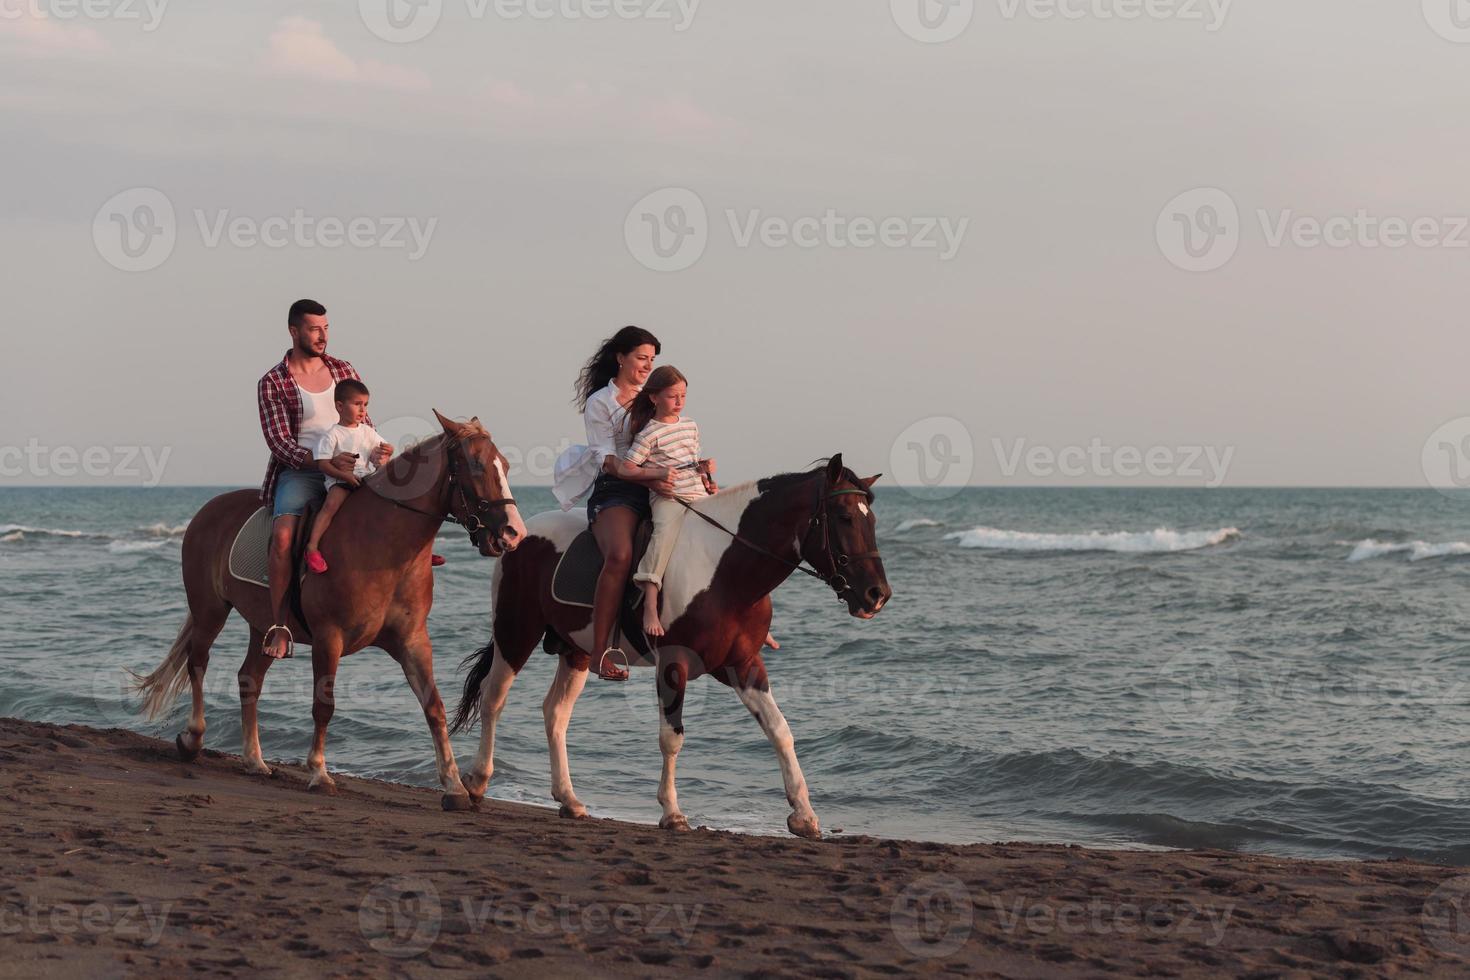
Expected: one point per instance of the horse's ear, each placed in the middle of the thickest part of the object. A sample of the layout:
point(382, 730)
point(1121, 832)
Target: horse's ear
point(450, 426)
point(834, 469)
point(868, 483)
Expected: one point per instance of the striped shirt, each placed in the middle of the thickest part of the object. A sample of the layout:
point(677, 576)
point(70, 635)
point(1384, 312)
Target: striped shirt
point(675, 445)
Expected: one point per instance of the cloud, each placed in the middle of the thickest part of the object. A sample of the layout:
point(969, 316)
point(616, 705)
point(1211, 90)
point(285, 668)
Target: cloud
point(584, 107)
point(300, 48)
point(41, 36)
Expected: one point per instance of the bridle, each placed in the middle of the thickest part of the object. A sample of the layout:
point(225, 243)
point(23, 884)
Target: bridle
point(471, 522)
point(838, 561)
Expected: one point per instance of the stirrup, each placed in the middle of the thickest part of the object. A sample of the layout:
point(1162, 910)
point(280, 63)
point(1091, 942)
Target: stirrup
point(290, 642)
point(615, 673)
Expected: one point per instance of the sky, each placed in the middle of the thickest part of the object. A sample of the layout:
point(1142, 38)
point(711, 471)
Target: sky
point(999, 242)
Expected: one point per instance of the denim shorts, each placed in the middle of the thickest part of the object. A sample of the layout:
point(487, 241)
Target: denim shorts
point(609, 491)
point(295, 489)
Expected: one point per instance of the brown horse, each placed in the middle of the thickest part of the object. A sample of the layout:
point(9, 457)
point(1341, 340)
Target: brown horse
point(378, 591)
point(715, 603)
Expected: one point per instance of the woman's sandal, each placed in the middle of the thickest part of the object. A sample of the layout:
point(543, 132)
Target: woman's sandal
point(290, 643)
point(611, 672)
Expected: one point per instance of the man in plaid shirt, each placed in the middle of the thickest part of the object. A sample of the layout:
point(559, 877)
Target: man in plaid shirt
point(293, 481)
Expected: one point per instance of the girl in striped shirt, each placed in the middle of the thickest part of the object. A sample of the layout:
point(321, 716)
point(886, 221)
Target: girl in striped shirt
point(663, 437)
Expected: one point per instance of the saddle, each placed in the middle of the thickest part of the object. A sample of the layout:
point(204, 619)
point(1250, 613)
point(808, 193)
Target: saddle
point(574, 583)
point(250, 562)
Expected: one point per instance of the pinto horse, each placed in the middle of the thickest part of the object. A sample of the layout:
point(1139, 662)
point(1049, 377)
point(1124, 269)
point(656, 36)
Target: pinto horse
point(378, 591)
point(716, 602)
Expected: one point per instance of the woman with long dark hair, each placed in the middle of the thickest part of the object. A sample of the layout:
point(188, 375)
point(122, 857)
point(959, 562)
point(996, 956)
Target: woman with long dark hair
point(618, 498)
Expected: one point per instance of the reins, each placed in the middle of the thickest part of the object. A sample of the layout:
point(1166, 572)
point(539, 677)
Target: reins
point(835, 580)
point(471, 522)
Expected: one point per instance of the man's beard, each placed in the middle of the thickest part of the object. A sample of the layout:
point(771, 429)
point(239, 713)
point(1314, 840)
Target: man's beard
point(306, 350)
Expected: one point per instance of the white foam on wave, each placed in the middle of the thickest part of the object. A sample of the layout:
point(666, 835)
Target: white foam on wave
point(161, 530)
point(11, 529)
point(1159, 540)
point(13, 536)
point(1416, 550)
point(130, 547)
point(914, 522)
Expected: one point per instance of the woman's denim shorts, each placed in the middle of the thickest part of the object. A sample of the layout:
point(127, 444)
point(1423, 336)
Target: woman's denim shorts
point(609, 491)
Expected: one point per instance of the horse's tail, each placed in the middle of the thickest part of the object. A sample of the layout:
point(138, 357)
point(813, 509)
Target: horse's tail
point(162, 688)
point(468, 711)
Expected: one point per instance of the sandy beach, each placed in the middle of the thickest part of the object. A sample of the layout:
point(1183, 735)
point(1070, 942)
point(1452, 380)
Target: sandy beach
point(119, 860)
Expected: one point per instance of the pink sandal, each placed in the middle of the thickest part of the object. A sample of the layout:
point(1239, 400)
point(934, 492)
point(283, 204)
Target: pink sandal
point(315, 562)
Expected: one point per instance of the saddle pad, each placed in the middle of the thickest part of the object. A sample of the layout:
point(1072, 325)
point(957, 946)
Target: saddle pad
point(249, 555)
point(575, 580)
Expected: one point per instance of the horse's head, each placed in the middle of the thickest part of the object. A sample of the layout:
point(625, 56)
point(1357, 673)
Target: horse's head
point(843, 541)
point(479, 490)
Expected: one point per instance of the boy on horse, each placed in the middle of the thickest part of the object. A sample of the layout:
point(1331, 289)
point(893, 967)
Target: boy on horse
point(355, 437)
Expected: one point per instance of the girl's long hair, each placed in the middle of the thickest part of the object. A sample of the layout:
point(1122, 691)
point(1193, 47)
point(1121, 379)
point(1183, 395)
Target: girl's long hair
point(641, 412)
point(603, 366)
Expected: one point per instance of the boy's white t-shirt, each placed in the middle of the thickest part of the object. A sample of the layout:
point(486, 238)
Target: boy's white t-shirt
point(361, 439)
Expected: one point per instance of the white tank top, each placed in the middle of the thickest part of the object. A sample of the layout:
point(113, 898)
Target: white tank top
point(318, 415)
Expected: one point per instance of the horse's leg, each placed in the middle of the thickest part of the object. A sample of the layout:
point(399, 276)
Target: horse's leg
point(207, 624)
point(754, 690)
point(418, 666)
point(673, 678)
point(326, 652)
point(493, 695)
point(557, 711)
point(251, 679)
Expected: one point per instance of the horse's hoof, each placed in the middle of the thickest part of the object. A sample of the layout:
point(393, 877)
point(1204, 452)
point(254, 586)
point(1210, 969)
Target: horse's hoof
point(325, 787)
point(458, 802)
point(567, 813)
point(676, 821)
point(804, 828)
point(475, 787)
point(186, 753)
point(260, 770)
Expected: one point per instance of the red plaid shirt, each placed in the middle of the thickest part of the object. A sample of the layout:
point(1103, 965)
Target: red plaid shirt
point(280, 419)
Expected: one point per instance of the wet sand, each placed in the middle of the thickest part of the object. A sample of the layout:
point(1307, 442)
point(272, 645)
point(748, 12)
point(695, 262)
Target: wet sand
point(116, 859)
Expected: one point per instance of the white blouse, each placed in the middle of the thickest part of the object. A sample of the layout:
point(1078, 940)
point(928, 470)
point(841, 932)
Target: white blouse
point(579, 466)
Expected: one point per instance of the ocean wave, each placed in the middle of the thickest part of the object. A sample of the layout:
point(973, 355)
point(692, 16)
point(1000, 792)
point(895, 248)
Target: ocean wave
point(18, 532)
point(914, 522)
point(161, 530)
point(1159, 540)
point(1416, 550)
point(131, 547)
